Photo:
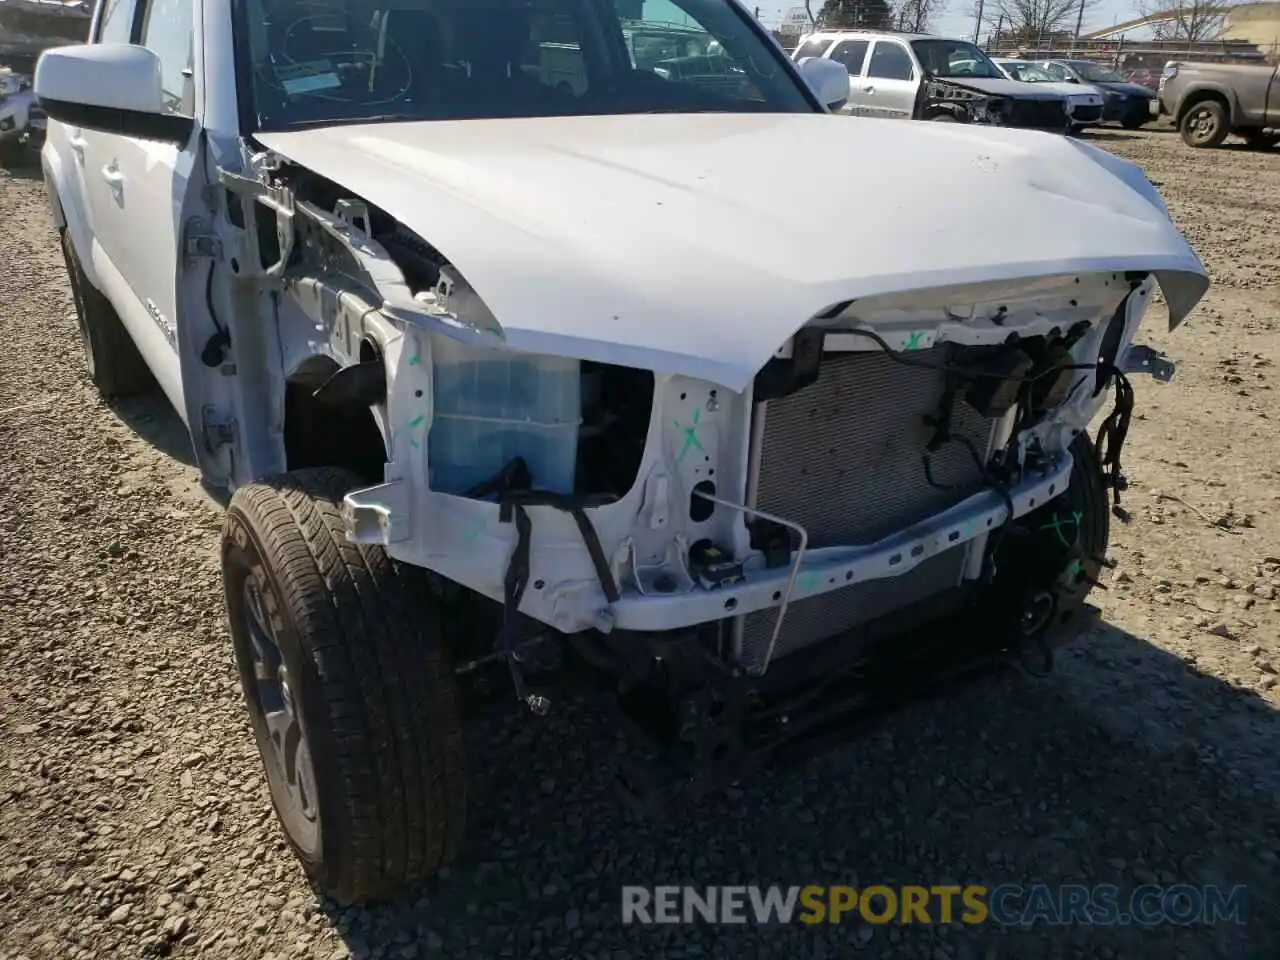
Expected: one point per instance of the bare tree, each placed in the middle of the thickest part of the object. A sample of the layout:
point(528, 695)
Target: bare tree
point(917, 16)
point(1033, 21)
point(1190, 20)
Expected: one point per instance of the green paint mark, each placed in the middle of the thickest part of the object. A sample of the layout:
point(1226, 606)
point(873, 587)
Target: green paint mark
point(1076, 569)
point(913, 341)
point(415, 360)
point(1057, 523)
point(474, 534)
point(808, 581)
point(417, 421)
point(690, 436)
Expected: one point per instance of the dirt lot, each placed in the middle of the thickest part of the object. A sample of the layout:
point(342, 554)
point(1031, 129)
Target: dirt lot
point(134, 820)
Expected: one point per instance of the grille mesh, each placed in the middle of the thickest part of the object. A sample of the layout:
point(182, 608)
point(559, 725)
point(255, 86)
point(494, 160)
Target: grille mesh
point(844, 458)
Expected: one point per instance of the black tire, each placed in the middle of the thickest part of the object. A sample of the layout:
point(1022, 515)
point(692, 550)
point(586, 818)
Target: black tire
point(1204, 124)
point(115, 366)
point(1057, 552)
point(1134, 122)
point(942, 117)
point(365, 681)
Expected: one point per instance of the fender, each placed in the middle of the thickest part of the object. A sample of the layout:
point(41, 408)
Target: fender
point(67, 207)
point(1208, 86)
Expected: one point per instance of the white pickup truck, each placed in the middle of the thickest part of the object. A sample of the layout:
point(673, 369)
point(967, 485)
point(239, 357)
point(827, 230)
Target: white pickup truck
point(509, 375)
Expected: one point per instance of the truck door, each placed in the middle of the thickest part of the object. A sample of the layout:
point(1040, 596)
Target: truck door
point(1273, 100)
point(851, 54)
point(136, 190)
point(889, 86)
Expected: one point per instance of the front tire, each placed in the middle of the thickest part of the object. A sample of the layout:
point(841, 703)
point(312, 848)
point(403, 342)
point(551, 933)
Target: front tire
point(1205, 124)
point(115, 366)
point(350, 691)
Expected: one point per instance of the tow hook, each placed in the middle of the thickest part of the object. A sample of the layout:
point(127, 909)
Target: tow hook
point(1143, 359)
point(1034, 653)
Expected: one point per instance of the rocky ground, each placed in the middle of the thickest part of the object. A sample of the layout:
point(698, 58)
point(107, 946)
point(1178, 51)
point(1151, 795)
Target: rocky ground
point(134, 818)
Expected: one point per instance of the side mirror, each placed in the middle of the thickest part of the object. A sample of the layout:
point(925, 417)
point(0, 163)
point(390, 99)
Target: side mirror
point(110, 87)
point(1071, 79)
point(828, 79)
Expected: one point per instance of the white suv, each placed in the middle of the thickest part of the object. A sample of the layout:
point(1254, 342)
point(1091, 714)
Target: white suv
point(918, 77)
point(507, 375)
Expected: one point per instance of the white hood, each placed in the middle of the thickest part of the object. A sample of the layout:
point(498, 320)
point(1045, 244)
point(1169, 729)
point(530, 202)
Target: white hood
point(697, 244)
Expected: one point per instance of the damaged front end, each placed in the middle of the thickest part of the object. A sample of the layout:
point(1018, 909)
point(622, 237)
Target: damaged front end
point(895, 496)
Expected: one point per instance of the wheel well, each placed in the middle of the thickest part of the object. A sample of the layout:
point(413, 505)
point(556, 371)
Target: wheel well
point(318, 434)
point(1200, 96)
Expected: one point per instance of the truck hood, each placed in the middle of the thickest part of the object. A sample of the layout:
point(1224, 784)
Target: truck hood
point(1127, 88)
point(698, 244)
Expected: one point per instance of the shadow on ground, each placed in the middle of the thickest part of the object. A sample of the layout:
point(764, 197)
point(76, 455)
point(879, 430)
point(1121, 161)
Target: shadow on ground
point(23, 167)
point(154, 420)
point(1125, 767)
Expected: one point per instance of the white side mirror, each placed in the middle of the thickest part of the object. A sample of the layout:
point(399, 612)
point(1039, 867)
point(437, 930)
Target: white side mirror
point(828, 79)
point(112, 87)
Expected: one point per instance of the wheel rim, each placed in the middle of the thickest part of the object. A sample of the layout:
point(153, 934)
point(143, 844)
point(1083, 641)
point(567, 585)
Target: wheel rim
point(285, 748)
point(1203, 124)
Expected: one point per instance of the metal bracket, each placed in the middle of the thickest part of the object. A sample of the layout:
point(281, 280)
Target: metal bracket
point(199, 242)
point(217, 433)
point(1143, 359)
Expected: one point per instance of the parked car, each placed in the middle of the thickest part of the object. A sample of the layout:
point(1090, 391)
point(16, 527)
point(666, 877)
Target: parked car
point(919, 77)
point(1084, 107)
point(1129, 104)
point(22, 122)
point(1208, 101)
point(507, 380)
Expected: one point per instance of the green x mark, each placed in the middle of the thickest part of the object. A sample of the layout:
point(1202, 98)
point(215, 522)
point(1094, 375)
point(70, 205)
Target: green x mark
point(690, 436)
point(415, 360)
point(913, 341)
point(1057, 523)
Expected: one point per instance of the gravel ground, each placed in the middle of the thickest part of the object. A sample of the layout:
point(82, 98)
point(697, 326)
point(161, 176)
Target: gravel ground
point(135, 821)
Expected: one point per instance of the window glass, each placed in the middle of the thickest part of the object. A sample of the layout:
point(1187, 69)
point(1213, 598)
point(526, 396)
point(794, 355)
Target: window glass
point(1056, 70)
point(168, 31)
point(851, 53)
point(115, 25)
point(811, 48)
point(954, 58)
point(332, 61)
point(889, 61)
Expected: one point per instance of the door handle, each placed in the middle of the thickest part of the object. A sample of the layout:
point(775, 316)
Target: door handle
point(869, 89)
point(114, 178)
point(77, 145)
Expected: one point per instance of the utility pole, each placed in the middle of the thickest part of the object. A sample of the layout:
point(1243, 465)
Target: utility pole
point(977, 22)
point(1079, 21)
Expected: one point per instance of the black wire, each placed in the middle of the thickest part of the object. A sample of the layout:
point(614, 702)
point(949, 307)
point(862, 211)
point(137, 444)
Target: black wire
point(208, 299)
point(969, 372)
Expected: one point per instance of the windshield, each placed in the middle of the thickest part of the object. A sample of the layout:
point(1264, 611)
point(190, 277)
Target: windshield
point(1094, 73)
point(954, 58)
point(1028, 72)
point(315, 62)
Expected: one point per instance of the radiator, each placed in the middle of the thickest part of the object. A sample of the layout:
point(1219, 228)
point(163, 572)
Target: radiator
point(844, 459)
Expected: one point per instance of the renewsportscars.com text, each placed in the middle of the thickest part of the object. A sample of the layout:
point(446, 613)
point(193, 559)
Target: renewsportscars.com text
point(1007, 904)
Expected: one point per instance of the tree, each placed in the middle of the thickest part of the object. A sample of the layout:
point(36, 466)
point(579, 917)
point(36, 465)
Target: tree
point(1196, 20)
point(855, 15)
point(1030, 21)
point(916, 16)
